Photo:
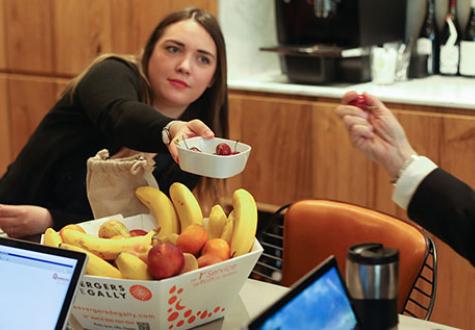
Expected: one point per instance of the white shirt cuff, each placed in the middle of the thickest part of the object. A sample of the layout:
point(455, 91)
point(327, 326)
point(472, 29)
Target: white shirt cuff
point(410, 179)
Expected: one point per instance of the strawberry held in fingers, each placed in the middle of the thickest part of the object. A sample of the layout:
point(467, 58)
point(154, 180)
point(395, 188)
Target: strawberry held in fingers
point(360, 102)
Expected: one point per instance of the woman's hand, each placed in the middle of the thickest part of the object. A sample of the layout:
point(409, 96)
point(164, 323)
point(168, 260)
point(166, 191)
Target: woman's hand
point(24, 220)
point(182, 130)
point(376, 132)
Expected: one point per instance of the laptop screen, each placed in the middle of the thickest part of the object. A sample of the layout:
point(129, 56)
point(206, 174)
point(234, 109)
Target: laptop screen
point(318, 301)
point(37, 284)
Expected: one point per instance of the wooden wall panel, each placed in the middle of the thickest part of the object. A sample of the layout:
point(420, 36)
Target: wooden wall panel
point(205, 4)
point(82, 31)
point(29, 36)
point(3, 54)
point(339, 171)
point(30, 98)
point(5, 146)
point(457, 153)
point(133, 21)
point(279, 168)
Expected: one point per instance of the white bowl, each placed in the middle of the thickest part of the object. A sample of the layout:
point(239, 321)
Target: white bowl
point(206, 163)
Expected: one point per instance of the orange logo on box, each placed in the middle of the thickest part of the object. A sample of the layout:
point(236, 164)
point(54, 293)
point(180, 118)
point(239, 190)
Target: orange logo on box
point(176, 320)
point(140, 292)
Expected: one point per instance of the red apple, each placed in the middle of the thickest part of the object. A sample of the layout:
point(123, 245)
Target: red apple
point(165, 260)
point(137, 232)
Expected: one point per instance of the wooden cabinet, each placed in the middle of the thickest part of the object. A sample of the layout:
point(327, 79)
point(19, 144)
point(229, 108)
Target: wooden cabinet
point(302, 150)
point(28, 36)
point(279, 167)
point(61, 37)
point(297, 147)
point(81, 31)
point(3, 60)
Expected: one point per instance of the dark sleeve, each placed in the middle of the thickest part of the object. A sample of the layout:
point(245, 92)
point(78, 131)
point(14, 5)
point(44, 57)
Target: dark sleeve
point(110, 95)
point(445, 206)
point(62, 218)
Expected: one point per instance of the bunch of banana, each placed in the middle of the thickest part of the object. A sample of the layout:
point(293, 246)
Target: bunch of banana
point(161, 208)
point(132, 267)
point(227, 233)
point(216, 221)
point(108, 248)
point(186, 205)
point(52, 238)
point(96, 266)
point(245, 222)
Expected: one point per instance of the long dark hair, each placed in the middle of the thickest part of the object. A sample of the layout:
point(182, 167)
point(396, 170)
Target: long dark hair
point(216, 95)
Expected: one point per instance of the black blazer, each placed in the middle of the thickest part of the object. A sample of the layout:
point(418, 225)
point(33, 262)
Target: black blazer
point(445, 206)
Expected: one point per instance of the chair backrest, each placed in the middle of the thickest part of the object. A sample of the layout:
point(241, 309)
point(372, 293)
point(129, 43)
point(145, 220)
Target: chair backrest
point(315, 229)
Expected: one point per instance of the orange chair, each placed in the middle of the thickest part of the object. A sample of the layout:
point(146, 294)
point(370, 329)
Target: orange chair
point(299, 236)
point(315, 229)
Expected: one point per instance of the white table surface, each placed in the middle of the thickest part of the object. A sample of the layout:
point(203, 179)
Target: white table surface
point(435, 91)
point(255, 296)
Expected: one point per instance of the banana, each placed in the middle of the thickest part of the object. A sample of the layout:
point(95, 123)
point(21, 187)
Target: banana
point(113, 228)
point(106, 246)
point(161, 208)
point(95, 265)
point(52, 238)
point(186, 205)
point(228, 228)
point(245, 222)
point(216, 222)
point(132, 267)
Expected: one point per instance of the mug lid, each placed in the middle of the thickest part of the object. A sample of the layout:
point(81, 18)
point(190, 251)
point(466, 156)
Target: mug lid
point(372, 254)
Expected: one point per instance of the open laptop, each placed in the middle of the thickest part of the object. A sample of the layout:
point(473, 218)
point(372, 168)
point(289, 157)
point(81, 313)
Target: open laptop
point(319, 300)
point(37, 284)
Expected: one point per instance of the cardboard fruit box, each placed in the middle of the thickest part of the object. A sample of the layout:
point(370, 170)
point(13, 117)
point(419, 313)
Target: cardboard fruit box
point(179, 302)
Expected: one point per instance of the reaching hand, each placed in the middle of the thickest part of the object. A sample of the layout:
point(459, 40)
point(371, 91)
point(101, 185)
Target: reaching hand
point(376, 132)
point(24, 220)
point(182, 130)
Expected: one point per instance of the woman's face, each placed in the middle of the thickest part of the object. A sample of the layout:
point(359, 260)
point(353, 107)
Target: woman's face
point(182, 65)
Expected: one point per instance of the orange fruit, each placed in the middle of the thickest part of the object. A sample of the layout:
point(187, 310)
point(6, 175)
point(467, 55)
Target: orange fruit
point(192, 239)
point(217, 247)
point(207, 260)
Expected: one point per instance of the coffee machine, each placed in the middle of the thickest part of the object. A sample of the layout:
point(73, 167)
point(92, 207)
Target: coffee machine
point(328, 41)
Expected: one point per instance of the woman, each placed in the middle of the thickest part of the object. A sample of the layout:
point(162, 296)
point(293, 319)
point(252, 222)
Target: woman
point(178, 86)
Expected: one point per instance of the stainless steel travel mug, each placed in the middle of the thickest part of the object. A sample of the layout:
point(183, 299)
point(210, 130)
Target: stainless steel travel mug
point(372, 278)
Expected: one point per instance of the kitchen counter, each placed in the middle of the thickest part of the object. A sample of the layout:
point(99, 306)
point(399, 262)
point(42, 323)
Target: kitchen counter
point(438, 91)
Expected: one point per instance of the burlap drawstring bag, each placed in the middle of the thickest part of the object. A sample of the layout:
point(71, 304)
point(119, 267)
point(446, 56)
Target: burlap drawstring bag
point(112, 181)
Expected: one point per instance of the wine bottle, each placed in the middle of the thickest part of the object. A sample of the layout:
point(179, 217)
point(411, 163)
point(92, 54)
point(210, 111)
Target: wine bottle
point(450, 42)
point(428, 42)
point(467, 46)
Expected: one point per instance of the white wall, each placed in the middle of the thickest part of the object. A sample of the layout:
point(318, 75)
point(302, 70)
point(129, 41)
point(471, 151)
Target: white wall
point(248, 25)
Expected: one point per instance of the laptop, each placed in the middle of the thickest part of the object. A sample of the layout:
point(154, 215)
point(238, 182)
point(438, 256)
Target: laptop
point(37, 284)
point(319, 300)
